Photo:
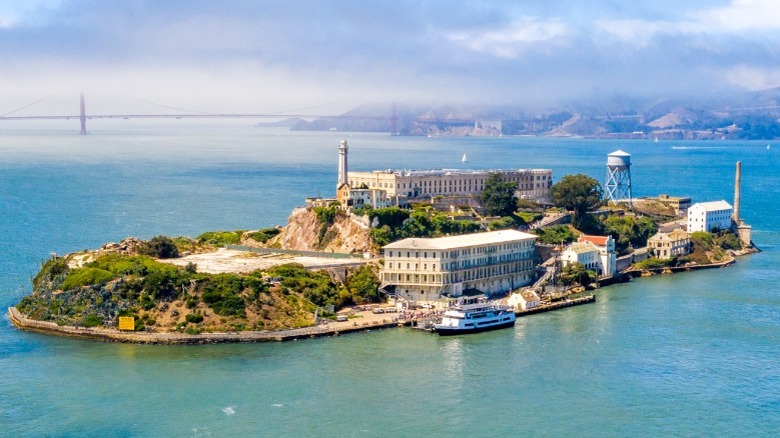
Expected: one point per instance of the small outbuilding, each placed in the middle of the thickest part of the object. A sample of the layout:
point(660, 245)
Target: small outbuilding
point(525, 300)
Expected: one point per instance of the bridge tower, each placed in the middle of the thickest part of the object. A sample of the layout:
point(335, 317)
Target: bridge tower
point(343, 177)
point(83, 116)
point(618, 185)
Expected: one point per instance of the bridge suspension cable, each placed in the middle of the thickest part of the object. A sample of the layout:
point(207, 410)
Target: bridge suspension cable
point(166, 106)
point(26, 106)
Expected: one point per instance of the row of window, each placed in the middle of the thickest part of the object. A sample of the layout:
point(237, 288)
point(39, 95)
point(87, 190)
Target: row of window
point(456, 277)
point(451, 266)
point(522, 244)
point(437, 182)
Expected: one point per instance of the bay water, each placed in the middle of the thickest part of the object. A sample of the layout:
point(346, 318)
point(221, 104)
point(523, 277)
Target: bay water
point(694, 354)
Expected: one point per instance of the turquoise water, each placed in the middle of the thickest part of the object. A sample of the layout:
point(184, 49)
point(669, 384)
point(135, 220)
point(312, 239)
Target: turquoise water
point(694, 354)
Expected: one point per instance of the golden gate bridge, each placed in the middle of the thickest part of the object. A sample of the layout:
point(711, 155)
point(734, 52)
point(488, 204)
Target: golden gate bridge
point(83, 116)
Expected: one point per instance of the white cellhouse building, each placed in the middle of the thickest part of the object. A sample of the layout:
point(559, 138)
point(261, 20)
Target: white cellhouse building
point(531, 183)
point(704, 216)
point(424, 269)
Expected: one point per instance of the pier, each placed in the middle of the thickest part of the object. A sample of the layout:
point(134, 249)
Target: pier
point(555, 305)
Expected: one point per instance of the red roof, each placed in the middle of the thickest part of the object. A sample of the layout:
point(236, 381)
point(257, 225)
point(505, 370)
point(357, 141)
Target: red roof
point(596, 240)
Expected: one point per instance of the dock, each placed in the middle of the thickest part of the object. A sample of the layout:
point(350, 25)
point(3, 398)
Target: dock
point(555, 305)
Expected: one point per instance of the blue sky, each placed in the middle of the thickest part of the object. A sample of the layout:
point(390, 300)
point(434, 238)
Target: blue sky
point(331, 55)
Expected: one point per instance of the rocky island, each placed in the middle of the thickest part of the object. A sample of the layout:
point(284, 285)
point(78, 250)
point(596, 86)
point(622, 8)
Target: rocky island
point(291, 282)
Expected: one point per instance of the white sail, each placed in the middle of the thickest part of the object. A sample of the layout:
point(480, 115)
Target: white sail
point(464, 159)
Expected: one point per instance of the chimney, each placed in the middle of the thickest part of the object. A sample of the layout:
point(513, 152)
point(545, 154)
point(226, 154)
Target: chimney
point(737, 194)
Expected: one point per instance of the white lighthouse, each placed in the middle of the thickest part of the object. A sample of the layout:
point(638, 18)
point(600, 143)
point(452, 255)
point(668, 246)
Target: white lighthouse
point(343, 177)
point(618, 185)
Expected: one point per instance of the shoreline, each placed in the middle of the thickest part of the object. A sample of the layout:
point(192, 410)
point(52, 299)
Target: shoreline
point(170, 338)
point(335, 329)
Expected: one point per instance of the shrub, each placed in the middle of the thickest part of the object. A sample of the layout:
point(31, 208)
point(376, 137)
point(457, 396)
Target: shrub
point(92, 320)
point(530, 217)
point(146, 302)
point(264, 235)
point(506, 222)
point(161, 247)
point(220, 238)
point(194, 318)
point(221, 293)
point(655, 263)
point(50, 269)
point(325, 215)
point(728, 240)
point(86, 276)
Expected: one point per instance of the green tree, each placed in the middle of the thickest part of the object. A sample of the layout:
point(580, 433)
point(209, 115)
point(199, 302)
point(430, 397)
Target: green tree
point(628, 230)
point(363, 285)
point(555, 234)
point(498, 195)
point(579, 193)
point(576, 273)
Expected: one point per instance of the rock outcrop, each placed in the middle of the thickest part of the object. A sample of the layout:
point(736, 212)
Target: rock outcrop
point(305, 233)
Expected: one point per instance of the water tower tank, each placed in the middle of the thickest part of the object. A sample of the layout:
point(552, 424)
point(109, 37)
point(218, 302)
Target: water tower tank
point(619, 159)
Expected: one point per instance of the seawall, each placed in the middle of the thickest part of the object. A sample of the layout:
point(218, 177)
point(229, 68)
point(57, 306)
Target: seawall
point(112, 335)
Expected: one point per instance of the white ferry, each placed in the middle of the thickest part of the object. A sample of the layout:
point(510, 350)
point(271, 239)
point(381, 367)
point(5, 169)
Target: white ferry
point(473, 318)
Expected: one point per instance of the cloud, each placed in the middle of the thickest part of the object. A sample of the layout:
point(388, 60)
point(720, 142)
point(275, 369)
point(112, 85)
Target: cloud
point(513, 39)
point(753, 78)
point(738, 17)
point(270, 56)
point(742, 16)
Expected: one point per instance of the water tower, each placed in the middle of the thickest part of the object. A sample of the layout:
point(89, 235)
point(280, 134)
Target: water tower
point(618, 188)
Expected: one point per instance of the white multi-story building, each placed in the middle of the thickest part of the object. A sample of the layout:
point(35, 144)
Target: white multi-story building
point(531, 183)
point(607, 254)
point(350, 197)
point(424, 269)
point(585, 253)
point(704, 216)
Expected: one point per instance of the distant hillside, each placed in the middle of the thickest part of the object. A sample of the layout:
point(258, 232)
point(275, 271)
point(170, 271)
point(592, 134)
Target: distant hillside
point(752, 115)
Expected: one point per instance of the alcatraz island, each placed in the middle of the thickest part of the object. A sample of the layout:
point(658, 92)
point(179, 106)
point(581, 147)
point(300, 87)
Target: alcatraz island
point(391, 248)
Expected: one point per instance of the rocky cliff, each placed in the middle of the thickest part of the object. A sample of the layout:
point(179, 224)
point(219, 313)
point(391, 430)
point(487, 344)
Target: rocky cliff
point(305, 232)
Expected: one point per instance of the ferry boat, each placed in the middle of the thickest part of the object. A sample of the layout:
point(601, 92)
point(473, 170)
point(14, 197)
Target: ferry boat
point(474, 318)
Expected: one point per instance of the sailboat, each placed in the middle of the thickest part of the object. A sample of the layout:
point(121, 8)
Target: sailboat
point(464, 159)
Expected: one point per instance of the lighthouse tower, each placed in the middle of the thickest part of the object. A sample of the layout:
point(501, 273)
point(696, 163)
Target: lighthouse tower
point(343, 177)
point(618, 187)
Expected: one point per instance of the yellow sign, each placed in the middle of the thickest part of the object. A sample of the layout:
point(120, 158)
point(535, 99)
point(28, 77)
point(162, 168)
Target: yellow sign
point(126, 323)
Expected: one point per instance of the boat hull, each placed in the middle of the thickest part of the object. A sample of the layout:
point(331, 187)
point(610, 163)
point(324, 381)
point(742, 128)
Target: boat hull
point(451, 331)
